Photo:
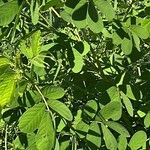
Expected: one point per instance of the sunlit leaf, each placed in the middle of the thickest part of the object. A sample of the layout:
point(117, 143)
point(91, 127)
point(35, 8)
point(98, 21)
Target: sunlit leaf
point(138, 140)
point(118, 128)
point(109, 138)
point(94, 136)
point(53, 92)
point(61, 109)
point(31, 119)
point(147, 120)
point(45, 137)
point(106, 8)
point(8, 11)
point(7, 86)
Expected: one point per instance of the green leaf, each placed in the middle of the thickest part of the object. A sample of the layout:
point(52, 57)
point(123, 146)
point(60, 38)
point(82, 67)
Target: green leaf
point(45, 137)
point(147, 120)
point(106, 8)
point(140, 31)
point(52, 3)
point(138, 140)
point(78, 61)
point(34, 8)
point(31, 119)
point(112, 110)
point(7, 86)
point(116, 38)
point(94, 20)
point(136, 41)
point(126, 46)
point(90, 109)
point(61, 109)
point(129, 92)
point(109, 139)
point(36, 42)
point(8, 11)
point(82, 129)
point(53, 92)
point(127, 104)
point(79, 14)
point(4, 61)
point(122, 143)
point(118, 128)
point(86, 48)
point(113, 93)
point(27, 51)
point(94, 136)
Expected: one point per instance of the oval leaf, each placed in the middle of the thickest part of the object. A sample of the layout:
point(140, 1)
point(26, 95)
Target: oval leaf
point(53, 92)
point(31, 119)
point(90, 109)
point(118, 128)
point(61, 109)
point(122, 143)
point(94, 136)
point(8, 11)
point(45, 137)
point(109, 139)
point(147, 120)
point(111, 110)
point(127, 104)
point(138, 140)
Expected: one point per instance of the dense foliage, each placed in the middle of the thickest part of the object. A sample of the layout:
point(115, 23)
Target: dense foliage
point(74, 74)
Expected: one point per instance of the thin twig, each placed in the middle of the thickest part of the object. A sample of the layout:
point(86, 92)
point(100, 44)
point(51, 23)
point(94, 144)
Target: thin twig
point(55, 12)
point(5, 140)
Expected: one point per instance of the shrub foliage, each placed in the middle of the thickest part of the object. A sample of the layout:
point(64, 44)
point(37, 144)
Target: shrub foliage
point(74, 74)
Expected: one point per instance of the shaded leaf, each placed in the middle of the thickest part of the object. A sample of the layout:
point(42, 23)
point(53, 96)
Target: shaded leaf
point(90, 109)
point(109, 139)
point(94, 136)
point(118, 128)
